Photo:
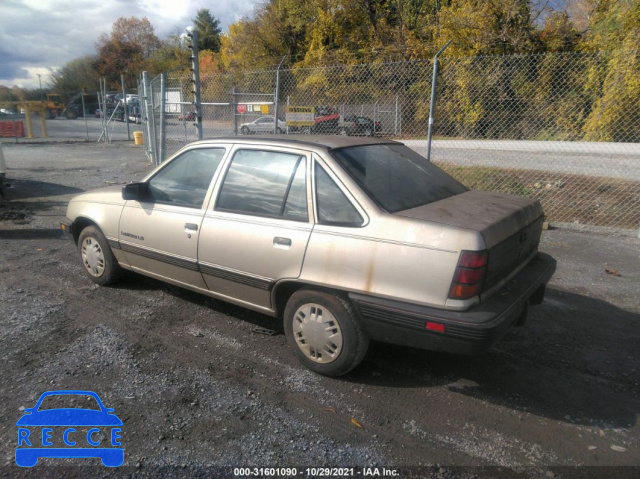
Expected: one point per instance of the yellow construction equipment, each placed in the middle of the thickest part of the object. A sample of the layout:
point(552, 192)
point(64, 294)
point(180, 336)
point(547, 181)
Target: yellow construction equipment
point(55, 107)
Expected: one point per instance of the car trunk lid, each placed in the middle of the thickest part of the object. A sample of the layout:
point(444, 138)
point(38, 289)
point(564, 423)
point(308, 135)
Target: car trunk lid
point(510, 226)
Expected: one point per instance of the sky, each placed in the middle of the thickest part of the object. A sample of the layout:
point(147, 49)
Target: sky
point(38, 36)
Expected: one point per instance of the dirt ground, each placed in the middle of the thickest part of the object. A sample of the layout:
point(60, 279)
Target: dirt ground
point(201, 390)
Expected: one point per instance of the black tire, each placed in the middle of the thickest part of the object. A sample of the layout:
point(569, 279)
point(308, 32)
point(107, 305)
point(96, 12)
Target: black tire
point(244, 130)
point(279, 131)
point(343, 132)
point(330, 309)
point(96, 257)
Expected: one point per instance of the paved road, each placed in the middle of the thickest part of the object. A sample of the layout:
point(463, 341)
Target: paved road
point(613, 160)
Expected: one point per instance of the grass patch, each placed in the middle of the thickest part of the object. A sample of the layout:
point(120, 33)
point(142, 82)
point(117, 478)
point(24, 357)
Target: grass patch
point(564, 197)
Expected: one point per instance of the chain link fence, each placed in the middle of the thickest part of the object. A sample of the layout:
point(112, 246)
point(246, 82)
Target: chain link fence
point(563, 128)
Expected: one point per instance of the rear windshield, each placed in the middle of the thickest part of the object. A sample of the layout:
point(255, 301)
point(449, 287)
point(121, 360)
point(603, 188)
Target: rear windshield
point(396, 177)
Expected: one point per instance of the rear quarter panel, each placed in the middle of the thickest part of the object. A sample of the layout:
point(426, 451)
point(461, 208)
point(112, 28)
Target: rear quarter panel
point(394, 258)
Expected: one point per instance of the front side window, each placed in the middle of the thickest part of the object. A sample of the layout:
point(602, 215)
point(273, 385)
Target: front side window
point(265, 183)
point(185, 181)
point(334, 208)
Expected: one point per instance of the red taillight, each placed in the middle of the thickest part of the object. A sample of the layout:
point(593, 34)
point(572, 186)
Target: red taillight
point(473, 259)
point(469, 275)
point(437, 327)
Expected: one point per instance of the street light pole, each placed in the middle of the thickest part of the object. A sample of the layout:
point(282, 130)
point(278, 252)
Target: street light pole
point(40, 81)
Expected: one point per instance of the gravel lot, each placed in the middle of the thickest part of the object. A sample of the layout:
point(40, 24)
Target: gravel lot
point(198, 388)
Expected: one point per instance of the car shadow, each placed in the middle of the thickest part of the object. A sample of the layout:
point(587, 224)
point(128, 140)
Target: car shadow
point(24, 189)
point(577, 360)
point(139, 282)
point(30, 233)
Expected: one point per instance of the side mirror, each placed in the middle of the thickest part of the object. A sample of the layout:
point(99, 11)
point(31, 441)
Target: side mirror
point(134, 191)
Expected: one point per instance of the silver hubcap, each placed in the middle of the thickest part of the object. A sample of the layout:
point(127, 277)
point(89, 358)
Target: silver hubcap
point(317, 333)
point(93, 257)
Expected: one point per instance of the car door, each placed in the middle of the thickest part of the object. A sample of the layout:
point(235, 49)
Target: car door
point(257, 230)
point(159, 233)
point(265, 125)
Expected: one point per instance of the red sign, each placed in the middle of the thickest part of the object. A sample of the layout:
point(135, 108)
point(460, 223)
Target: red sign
point(242, 108)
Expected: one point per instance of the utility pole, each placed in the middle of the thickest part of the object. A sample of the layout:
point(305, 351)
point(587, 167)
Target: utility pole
point(40, 82)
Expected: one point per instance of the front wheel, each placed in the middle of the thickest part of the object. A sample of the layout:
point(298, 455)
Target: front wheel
point(324, 332)
point(97, 258)
point(244, 130)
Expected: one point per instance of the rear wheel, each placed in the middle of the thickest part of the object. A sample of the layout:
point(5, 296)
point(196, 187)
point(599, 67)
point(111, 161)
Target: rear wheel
point(97, 258)
point(324, 332)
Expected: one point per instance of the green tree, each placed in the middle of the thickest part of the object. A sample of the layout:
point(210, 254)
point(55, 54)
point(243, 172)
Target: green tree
point(614, 27)
point(171, 56)
point(208, 28)
point(480, 27)
point(75, 76)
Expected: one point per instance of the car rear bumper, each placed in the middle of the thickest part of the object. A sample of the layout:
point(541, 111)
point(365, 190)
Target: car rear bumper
point(464, 332)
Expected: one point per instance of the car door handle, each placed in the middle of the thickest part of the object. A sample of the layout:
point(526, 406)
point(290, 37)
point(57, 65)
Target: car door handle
point(191, 226)
point(280, 242)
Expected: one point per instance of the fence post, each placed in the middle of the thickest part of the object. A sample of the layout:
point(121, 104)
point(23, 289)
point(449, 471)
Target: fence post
point(84, 114)
point(163, 101)
point(433, 98)
point(395, 126)
point(277, 96)
point(235, 109)
point(195, 67)
point(126, 107)
point(148, 112)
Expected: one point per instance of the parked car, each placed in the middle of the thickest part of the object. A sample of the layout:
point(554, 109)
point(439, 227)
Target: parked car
point(264, 124)
point(358, 126)
point(347, 239)
point(188, 116)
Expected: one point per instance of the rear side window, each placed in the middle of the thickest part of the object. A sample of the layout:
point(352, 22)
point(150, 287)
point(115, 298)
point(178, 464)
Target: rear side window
point(395, 177)
point(185, 180)
point(334, 208)
point(266, 183)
